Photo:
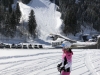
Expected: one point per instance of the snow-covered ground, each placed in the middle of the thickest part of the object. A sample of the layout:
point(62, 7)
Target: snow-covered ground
point(44, 62)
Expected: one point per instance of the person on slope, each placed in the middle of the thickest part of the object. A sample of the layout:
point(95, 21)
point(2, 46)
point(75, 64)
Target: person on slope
point(65, 66)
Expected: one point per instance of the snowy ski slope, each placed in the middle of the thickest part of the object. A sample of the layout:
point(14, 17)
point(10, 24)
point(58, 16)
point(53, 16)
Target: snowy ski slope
point(44, 62)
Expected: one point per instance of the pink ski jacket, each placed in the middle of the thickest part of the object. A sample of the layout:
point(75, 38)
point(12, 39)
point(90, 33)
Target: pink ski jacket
point(68, 56)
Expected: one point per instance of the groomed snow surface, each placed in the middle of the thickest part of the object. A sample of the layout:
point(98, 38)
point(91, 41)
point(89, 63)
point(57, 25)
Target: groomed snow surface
point(44, 62)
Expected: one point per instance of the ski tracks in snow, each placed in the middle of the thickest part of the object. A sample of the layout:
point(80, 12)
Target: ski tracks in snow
point(89, 64)
point(29, 64)
point(85, 62)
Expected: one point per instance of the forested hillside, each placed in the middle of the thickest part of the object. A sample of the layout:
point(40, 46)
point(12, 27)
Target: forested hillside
point(10, 16)
point(74, 13)
point(77, 13)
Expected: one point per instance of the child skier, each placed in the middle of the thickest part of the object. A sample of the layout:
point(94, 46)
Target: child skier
point(65, 66)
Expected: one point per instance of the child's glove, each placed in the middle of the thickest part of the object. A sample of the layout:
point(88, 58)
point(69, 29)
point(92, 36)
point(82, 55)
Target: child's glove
point(58, 65)
point(62, 68)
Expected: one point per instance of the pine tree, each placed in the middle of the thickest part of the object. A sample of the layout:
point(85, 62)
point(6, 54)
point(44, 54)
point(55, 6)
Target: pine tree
point(6, 2)
point(32, 24)
point(70, 21)
point(13, 24)
point(63, 4)
point(7, 25)
point(18, 13)
point(26, 1)
point(1, 12)
point(63, 7)
point(10, 8)
point(97, 25)
point(11, 1)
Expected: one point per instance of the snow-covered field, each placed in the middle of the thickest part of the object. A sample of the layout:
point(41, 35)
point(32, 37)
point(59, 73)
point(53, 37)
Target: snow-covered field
point(44, 61)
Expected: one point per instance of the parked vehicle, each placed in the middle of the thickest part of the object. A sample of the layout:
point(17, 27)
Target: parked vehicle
point(7, 46)
point(13, 46)
point(24, 46)
point(36, 46)
point(2, 45)
point(30, 46)
point(40, 46)
point(19, 46)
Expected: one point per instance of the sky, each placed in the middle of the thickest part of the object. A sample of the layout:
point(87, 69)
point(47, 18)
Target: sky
point(44, 61)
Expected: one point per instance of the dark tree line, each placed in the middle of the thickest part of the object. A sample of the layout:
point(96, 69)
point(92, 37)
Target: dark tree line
point(7, 2)
point(26, 1)
point(10, 19)
point(68, 10)
point(75, 14)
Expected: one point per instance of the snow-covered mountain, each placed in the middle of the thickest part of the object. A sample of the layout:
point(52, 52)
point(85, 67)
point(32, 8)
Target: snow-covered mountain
point(48, 22)
point(47, 18)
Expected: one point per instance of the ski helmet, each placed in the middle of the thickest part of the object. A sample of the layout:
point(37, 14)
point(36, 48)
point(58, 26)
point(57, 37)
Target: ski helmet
point(66, 44)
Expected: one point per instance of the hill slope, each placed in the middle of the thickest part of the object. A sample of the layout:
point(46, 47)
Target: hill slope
point(47, 18)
